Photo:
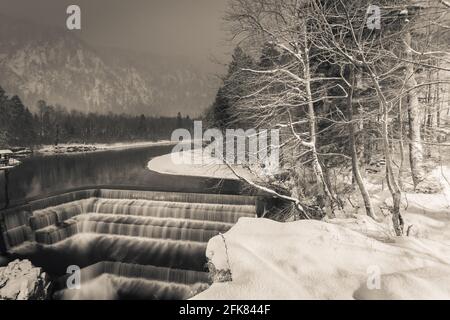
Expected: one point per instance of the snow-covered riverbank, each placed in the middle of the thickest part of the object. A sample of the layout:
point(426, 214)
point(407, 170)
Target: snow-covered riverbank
point(209, 168)
point(82, 148)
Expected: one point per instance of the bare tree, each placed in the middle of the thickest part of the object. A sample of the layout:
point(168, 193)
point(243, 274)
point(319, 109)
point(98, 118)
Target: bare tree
point(381, 58)
point(319, 53)
point(285, 94)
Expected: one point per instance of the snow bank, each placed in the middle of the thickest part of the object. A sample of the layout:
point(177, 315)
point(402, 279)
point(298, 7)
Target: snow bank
point(319, 260)
point(78, 148)
point(209, 167)
point(428, 215)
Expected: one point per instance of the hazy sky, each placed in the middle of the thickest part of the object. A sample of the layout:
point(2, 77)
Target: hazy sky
point(168, 27)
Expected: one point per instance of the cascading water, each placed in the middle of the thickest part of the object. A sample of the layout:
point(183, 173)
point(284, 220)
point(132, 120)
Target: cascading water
point(128, 244)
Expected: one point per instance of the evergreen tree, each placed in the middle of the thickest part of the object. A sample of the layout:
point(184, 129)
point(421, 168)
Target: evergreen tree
point(54, 125)
point(220, 114)
point(179, 120)
point(2, 95)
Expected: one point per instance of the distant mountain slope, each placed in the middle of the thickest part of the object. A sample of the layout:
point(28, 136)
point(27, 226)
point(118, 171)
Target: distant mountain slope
point(38, 62)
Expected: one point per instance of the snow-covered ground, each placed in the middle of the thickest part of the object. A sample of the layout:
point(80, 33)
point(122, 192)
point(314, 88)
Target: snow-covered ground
point(343, 258)
point(319, 260)
point(209, 167)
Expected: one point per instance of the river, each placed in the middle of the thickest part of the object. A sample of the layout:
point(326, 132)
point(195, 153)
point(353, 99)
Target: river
point(39, 176)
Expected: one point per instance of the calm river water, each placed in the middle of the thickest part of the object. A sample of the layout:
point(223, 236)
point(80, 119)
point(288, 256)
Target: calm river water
point(43, 175)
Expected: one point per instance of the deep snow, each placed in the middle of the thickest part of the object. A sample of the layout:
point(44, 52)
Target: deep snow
point(340, 258)
point(319, 260)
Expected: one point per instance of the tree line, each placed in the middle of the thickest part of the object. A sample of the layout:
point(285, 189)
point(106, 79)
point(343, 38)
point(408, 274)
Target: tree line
point(55, 124)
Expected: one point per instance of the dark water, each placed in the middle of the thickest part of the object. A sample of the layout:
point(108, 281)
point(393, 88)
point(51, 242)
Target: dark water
point(43, 175)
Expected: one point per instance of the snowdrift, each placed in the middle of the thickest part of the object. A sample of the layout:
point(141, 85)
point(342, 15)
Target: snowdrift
point(319, 260)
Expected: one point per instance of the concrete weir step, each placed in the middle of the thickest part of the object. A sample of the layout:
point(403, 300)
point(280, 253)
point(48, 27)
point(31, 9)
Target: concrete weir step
point(148, 208)
point(85, 249)
point(173, 229)
point(138, 271)
point(112, 287)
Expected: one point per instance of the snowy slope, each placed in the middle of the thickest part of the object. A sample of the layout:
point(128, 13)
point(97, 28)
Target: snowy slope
point(340, 258)
point(318, 260)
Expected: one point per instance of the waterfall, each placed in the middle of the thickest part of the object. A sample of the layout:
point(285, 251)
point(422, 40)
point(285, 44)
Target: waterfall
point(132, 244)
point(183, 210)
point(140, 271)
point(177, 197)
point(19, 235)
point(110, 287)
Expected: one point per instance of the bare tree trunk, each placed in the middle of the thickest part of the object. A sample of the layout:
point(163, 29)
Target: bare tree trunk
point(401, 145)
point(438, 103)
point(361, 150)
point(393, 186)
point(415, 139)
point(390, 178)
point(317, 168)
point(355, 161)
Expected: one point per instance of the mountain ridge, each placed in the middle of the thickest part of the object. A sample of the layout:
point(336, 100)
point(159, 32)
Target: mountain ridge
point(43, 62)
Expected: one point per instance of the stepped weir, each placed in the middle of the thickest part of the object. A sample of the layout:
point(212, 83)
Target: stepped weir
point(128, 244)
